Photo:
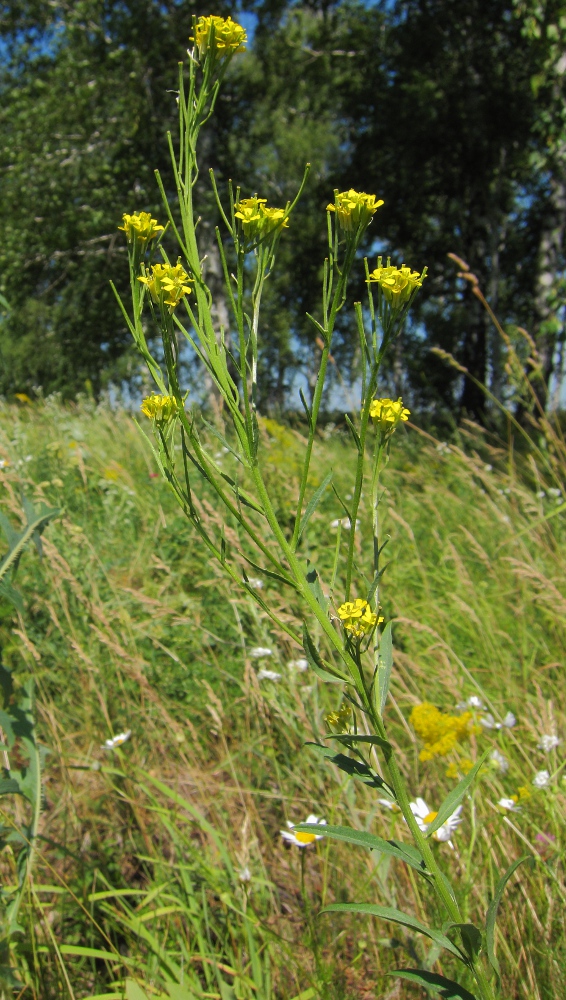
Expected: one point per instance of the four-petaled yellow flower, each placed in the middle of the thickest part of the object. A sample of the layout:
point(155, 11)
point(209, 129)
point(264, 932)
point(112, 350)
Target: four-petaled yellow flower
point(221, 36)
point(339, 721)
point(396, 283)
point(354, 209)
point(167, 284)
point(159, 408)
point(439, 731)
point(140, 228)
point(357, 617)
point(257, 220)
point(387, 413)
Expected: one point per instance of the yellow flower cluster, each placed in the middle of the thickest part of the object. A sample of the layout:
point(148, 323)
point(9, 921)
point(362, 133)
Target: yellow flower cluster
point(439, 731)
point(167, 284)
point(159, 408)
point(397, 283)
point(140, 228)
point(221, 36)
point(257, 220)
point(387, 413)
point(354, 209)
point(523, 792)
point(339, 721)
point(357, 617)
point(464, 766)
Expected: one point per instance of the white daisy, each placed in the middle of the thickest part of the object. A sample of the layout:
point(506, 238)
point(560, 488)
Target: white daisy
point(472, 702)
point(388, 804)
point(548, 743)
point(509, 721)
point(255, 583)
point(258, 652)
point(268, 675)
point(425, 817)
point(116, 741)
point(301, 665)
point(499, 760)
point(509, 804)
point(541, 779)
point(303, 839)
point(488, 722)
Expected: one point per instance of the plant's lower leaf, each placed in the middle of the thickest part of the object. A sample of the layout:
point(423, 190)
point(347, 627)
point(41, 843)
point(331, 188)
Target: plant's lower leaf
point(317, 664)
point(491, 917)
point(404, 852)
point(471, 937)
point(397, 917)
point(356, 768)
point(435, 983)
point(377, 741)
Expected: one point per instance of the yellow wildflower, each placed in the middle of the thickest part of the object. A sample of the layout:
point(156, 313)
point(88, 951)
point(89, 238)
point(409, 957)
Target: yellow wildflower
point(354, 209)
point(463, 766)
point(167, 284)
point(357, 617)
point(257, 220)
point(387, 413)
point(140, 228)
point(452, 771)
point(523, 792)
point(396, 283)
point(221, 36)
point(466, 765)
point(159, 408)
point(439, 731)
point(339, 721)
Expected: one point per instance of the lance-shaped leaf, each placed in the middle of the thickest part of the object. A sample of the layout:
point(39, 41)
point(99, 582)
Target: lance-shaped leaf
point(453, 799)
point(397, 917)
point(401, 851)
point(326, 671)
point(356, 768)
point(471, 937)
point(385, 665)
point(491, 917)
point(434, 983)
point(313, 503)
point(377, 741)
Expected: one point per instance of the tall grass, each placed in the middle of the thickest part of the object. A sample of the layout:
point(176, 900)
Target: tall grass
point(146, 851)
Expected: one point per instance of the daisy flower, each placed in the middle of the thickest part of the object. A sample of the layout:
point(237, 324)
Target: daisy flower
point(116, 741)
point(425, 817)
point(548, 743)
point(303, 839)
point(541, 779)
point(258, 652)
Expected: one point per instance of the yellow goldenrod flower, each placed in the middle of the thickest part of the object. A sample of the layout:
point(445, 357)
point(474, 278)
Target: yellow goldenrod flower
point(221, 36)
point(354, 209)
point(523, 792)
point(396, 283)
point(339, 721)
point(387, 413)
point(464, 766)
point(357, 617)
point(167, 284)
point(140, 228)
point(257, 220)
point(159, 408)
point(439, 731)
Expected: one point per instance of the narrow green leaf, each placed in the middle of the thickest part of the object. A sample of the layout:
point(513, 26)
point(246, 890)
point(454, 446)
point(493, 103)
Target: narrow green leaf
point(385, 665)
point(355, 768)
point(319, 665)
point(314, 502)
point(8, 786)
point(397, 917)
point(434, 983)
point(306, 409)
point(403, 852)
point(491, 917)
point(79, 949)
point(313, 580)
point(354, 433)
point(11, 595)
point(453, 799)
point(377, 741)
point(471, 937)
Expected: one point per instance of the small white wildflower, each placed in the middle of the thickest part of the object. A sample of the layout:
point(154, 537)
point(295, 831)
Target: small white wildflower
point(474, 702)
point(509, 804)
point(245, 874)
point(116, 741)
point(509, 721)
point(3, 463)
point(425, 817)
point(501, 762)
point(268, 675)
point(488, 468)
point(488, 722)
point(541, 494)
point(345, 523)
point(303, 839)
point(258, 652)
point(553, 492)
point(301, 665)
point(388, 804)
point(541, 779)
point(548, 743)
point(255, 583)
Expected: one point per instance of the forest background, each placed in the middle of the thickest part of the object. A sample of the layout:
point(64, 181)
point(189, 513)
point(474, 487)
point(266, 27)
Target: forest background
point(452, 113)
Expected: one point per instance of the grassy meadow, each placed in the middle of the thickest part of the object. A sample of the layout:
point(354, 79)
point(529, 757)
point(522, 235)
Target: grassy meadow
point(161, 869)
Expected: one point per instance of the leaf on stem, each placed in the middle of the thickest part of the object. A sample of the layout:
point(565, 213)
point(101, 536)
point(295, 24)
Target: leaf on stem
point(455, 797)
point(385, 665)
point(471, 937)
point(377, 741)
point(313, 503)
point(324, 670)
point(434, 983)
point(401, 851)
point(313, 580)
point(491, 917)
point(355, 768)
point(397, 917)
